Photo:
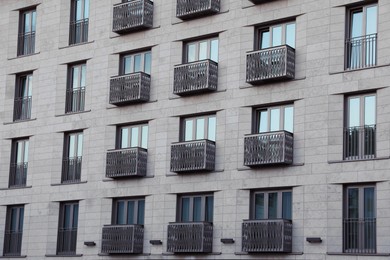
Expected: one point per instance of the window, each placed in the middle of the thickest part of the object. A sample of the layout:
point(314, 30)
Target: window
point(274, 119)
point(13, 230)
point(27, 26)
point(19, 163)
point(23, 97)
point(271, 205)
point(198, 128)
point(73, 148)
point(360, 131)
point(360, 219)
point(276, 35)
point(196, 208)
point(67, 228)
point(133, 136)
point(362, 37)
point(128, 211)
point(201, 50)
point(136, 62)
point(79, 21)
point(75, 93)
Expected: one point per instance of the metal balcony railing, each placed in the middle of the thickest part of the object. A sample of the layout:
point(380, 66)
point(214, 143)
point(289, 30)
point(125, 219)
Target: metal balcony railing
point(191, 237)
point(12, 243)
point(361, 51)
point(71, 170)
point(126, 162)
point(188, 9)
point(359, 236)
point(360, 142)
point(193, 156)
point(22, 108)
point(270, 64)
point(267, 235)
point(66, 241)
point(78, 31)
point(18, 175)
point(130, 88)
point(132, 16)
point(195, 77)
point(268, 148)
point(123, 239)
point(75, 100)
point(26, 43)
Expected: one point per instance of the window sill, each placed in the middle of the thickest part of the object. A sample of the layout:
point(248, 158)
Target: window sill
point(361, 160)
point(190, 253)
point(74, 113)
point(127, 255)
point(194, 173)
point(68, 183)
point(355, 254)
point(77, 44)
point(16, 188)
point(354, 70)
point(268, 253)
point(22, 56)
point(76, 255)
point(14, 256)
point(19, 121)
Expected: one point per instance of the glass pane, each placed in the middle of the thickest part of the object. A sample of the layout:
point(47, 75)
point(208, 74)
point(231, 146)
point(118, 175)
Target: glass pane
point(259, 206)
point(289, 119)
point(120, 213)
point(263, 121)
point(29, 84)
point(144, 141)
point(86, 9)
point(209, 208)
point(19, 151)
point(78, 10)
point(21, 218)
point(188, 130)
point(130, 213)
point(134, 137)
point(148, 62)
point(357, 24)
point(371, 26)
point(26, 151)
point(287, 205)
point(75, 215)
point(80, 145)
point(27, 22)
point(276, 36)
point(369, 110)
point(137, 62)
point(67, 217)
point(275, 119)
point(34, 21)
point(125, 138)
point(353, 203)
point(83, 75)
point(354, 112)
point(272, 205)
point(197, 214)
point(212, 128)
point(72, 143)
point(214, 50)
point(185, 210)
point(265, 40)
point(14, 220)
point(141, 212)
point(369, 203)
point(202, 50)
point(290, 34)
point(191, 53)
point(127, 65)
point(200, 128)
point(75, 76)
point(23, 83)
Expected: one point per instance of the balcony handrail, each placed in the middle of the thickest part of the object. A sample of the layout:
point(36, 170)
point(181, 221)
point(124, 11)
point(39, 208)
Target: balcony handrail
point(195, 62)
point(191, 223)
point(270, 132)
point(367, 36)
point(123, 225)
point(129, 74)
point(194, 141)
point(127, 149)
point(270, 48)
point(360, 127)
point(126, 3)
point(80, 21)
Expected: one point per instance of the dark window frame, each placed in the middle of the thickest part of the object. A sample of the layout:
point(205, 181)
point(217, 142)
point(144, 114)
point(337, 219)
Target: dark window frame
point(280, 192)
point(203, 213)
point(119, 137)
point(143, 53)
point(197, 41)
point(268, 27)
point(282, 107)
point(21, 31)
point(26, 77)
point(61, 225)
point(14, 157)
point(82, 24)
point(194, 126)
point(8, 229)
point(66, 157)
point(136, 213)
point(76, 104)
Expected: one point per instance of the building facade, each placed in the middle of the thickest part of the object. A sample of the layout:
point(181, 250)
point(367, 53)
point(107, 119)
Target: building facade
point(215, 129)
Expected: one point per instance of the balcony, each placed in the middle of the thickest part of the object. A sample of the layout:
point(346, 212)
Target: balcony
point(18, 175)
point(193, 156)
point(274, 63)
point(132, 16)
point(123, 239)
point(75, 100)
point(192, 237)
point(195, 77)
point(256, 2)
point(71, 170)
point(26, 43)
point(359, 236)
point(22, 108)
point(360, 142)
point(78, 31)
point(268, 148)
point(12, 243)
point(67, 241)
point(126, 162)
point(361, 52)
point(130, 88)
point(189, 9)
point(267, 236)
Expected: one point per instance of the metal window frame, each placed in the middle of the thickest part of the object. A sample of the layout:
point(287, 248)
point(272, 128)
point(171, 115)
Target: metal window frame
point(131, 56)
point(114, 216)
point(257, 111)
point(129, 127)
point(67, 143)
point(266, 199)
point(191, 206)
point(73, 10)
point(15, 148)
point(194, 126)
point(363, 8)
point(80, 75)
point(197, 43)
point(260, 30)
point(361, 107)
point(28, 77)
point(22, 20)
point(18, 218)
point(61, 219)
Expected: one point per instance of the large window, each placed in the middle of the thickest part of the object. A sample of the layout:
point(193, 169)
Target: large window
point(73, 149)
point(361, 40)
point(27, 27)
point(276, 35)
point(79, 16)
point(13, 231)
point(360, 130)
point(19, 163)
point(196, 208)
point(359, 223)
point(133, 136)
point(67, 228)
point(23, 97)
point(271, 205)
point(128, 211)
point(201, 50)
point(198, 128)
point(75, 93)
point(136, 62)
point(274, 119)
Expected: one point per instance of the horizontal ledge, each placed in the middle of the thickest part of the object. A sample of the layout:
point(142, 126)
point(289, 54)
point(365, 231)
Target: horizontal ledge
point(268, 253)
point(132, 104)
point(196, 94)
point(247, 168)
point(196, 18)
point(130, 178)
point(74, 113)
point(132, 32)
point(191, 253)
point(361, 160)
point(19, 121)
point(270, 82)
point(74, 45)
point(68, 183)
point(13, 256)
point(355, 254)
point(22, 56)
point(76, 255)
point(193, 173)
point(17, 188)
point(354, 70)
point(124, 255)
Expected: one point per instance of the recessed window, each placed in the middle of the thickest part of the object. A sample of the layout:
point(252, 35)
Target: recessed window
point(79, 19)
point(274, 119)
point(196, 208)
point(13, 231)
point(75, 93)
point(67, 228)
point(128, 211)
point(137, 62)
point(272, 205)
point(19, 163)
point(202, 50)
point(276, 35)
point(73, 149)
point(133, 136)
point(198, 128)
point(27, 28)
point(23, 97)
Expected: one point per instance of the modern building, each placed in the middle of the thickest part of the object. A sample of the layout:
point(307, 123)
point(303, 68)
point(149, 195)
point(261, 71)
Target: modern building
point(215, 129)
